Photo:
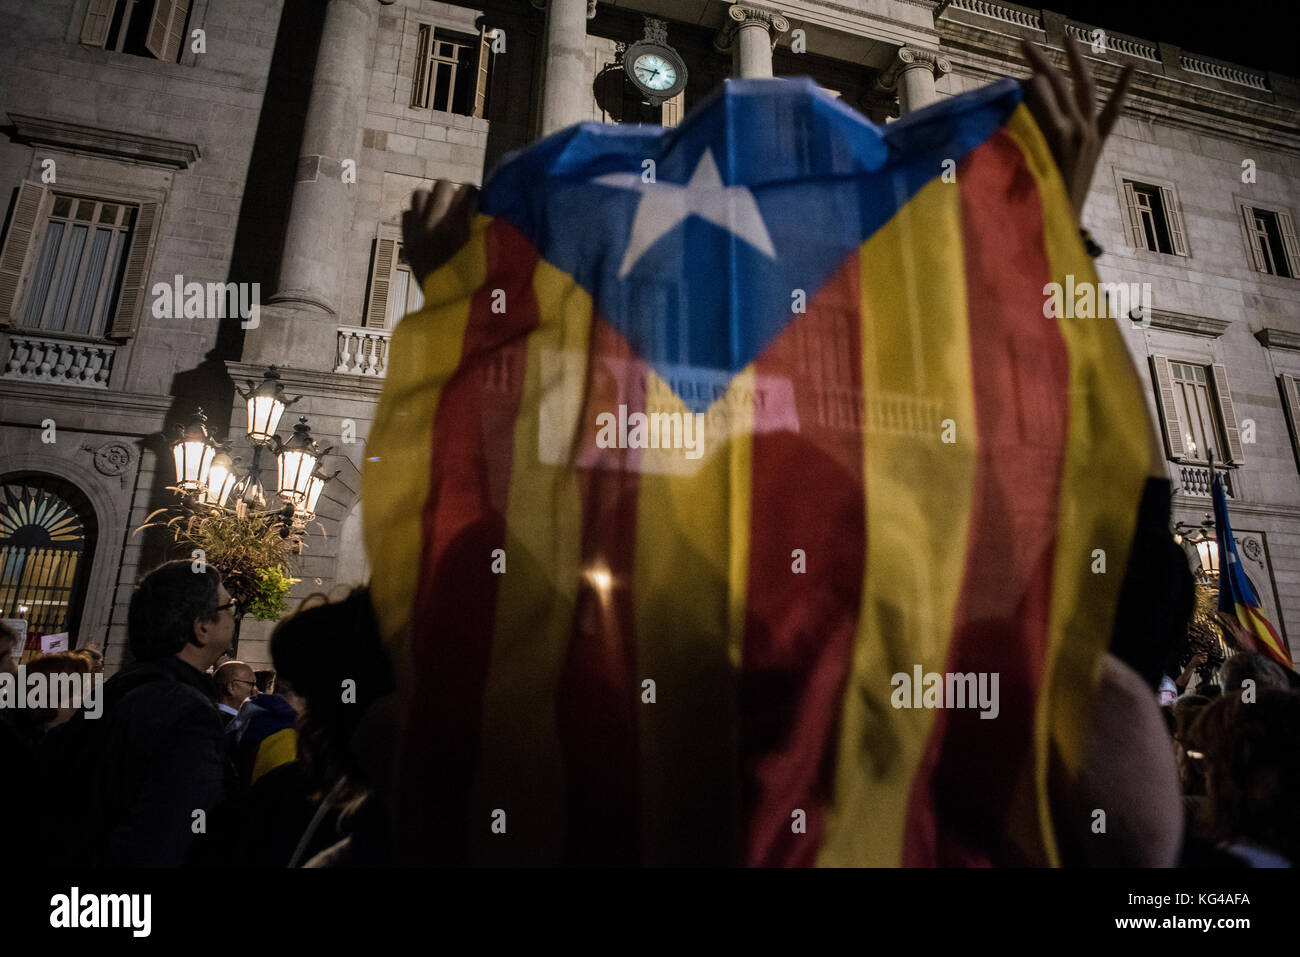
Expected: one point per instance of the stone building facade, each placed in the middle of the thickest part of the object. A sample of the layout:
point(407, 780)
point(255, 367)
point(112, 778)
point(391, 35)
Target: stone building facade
point(276, 142)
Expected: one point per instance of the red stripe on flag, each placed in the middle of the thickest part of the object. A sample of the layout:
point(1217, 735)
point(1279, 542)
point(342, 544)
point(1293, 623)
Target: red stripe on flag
point(962, 791)
point(597, 693)
point(1266, 635)
point(463, 522)
point(807, 495)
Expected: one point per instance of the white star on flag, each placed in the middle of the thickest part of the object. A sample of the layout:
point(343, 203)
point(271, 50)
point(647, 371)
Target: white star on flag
point(664, 205)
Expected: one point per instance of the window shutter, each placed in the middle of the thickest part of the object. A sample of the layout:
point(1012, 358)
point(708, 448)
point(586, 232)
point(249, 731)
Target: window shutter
point(1291, 403)
point(1168, 410)
point(94, 29)
point(381, 279)
point(135, 277)
point(1174, 220)
point(1136, 238)
point(481, 82)
point(421, 66)
point(1287, 229)
point(672, 110)
point(1228, 414)
point(1252, 239)
point(18, 242)
point(167, 29)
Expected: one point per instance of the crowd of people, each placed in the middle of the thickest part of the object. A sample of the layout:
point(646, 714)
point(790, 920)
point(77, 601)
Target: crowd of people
point(199, 760)
point(1237, 744)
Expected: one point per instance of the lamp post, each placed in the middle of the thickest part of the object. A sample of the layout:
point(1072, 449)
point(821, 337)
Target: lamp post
point(207, 476)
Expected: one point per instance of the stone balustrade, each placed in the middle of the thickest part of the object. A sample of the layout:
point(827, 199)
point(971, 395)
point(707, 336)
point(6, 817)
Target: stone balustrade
point(362, 351)
point(1223, 71)
point(1195, 480)
point(46, 358)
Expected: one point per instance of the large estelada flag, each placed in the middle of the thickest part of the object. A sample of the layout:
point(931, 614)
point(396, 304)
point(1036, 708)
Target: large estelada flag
point(1237, 596)
point(711, 452)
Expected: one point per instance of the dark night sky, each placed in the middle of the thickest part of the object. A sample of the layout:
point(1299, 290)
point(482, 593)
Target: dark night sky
point(1256, 33)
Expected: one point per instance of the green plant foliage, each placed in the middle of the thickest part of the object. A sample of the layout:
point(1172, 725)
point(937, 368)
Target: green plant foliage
point(248, 550)
point(269, 600)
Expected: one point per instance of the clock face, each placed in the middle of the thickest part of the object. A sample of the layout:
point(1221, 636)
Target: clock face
point(654, 72)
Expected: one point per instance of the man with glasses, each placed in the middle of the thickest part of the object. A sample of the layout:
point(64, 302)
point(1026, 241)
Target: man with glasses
point(236, 683)
point(160, 759)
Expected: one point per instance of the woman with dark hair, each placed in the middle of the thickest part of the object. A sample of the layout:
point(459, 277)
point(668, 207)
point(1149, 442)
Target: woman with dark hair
point(331, 655)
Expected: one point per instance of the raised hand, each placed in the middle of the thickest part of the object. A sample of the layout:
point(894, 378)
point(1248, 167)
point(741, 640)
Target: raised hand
point(1067, 115)
point(437, 225)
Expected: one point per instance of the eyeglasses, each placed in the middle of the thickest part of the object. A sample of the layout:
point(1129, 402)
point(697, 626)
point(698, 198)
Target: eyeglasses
point(233, 605)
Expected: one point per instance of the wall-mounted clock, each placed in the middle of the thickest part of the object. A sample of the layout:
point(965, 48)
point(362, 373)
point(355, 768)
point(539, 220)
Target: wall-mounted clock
point(655, 68)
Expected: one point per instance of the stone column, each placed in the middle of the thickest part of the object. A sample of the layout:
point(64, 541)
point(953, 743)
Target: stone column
point(755, 36)
point(565, 87)
point(299, 324)
point(310, 266)
point(914, 74)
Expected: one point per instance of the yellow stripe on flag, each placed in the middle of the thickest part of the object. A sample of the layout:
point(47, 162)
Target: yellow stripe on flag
point(1108, 459)
point(916, 359)
point(691, 572)
point(425, 350)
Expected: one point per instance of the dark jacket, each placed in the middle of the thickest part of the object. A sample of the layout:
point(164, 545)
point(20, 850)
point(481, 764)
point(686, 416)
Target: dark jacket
point(162, 759)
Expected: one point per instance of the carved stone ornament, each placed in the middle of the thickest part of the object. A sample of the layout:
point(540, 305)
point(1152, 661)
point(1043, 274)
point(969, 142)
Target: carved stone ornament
point(776, 23)
point(912, 57)
point(1252, 549)
point(112, 459)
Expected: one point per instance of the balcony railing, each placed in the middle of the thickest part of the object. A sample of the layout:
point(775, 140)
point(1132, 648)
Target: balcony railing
point(1195, 480)
point(362, 351)
point(44, 358)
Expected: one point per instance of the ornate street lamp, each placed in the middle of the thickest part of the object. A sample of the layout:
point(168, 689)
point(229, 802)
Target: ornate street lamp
point(1197, 540)
point(193, 453)
point(305, 514)
point(207, 476)
point(296, 462)
point(221, 481)
point(266, 403)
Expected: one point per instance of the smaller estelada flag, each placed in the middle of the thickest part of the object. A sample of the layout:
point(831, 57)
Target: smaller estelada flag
point(1236, 594)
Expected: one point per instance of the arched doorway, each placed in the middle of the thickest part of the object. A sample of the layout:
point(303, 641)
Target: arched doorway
point(47, 538)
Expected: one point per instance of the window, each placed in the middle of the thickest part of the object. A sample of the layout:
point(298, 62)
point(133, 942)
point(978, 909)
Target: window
point(47, 532)
point(74, 263)
point(394, 291)
point(1290, 386)
point(79, 267)
point(1272, 240)
point(406, 295)
point(1197, 411)
point(451, 72)
point(1154, 222)
point(148, 28)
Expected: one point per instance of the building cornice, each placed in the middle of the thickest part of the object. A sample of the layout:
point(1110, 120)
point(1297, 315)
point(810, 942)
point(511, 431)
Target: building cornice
point(73, 395)
point(310, 381)
point(1171, 86)
point(1274, 338)
point(132, 147)
point(1189, 325)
